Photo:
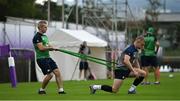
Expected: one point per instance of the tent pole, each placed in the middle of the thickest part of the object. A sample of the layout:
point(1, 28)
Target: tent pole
point(75, 69)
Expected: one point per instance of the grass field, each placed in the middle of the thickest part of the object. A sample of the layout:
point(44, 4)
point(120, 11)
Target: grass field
point(169, 89)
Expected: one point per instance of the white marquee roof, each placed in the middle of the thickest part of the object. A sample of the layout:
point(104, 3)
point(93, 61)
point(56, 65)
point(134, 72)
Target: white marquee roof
point(70, 38)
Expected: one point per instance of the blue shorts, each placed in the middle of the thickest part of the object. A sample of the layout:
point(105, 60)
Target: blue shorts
point(149, 61)
point(47, 65)
point(83, 65)
point(121, 72)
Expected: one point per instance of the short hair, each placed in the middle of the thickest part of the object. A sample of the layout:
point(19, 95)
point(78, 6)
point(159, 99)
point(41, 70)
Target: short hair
point(41, 23)
point(140, 38)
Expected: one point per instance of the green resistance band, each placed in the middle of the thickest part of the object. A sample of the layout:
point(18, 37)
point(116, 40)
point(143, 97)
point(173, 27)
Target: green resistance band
point(90, 58)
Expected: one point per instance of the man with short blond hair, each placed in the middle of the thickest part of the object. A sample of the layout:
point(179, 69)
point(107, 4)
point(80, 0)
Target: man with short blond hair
point(127, 65)
point(47, 65)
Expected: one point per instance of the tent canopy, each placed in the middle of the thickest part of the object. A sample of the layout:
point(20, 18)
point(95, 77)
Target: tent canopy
point(73, 38)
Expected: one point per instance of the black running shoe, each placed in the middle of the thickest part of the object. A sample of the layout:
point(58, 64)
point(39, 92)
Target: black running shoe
point(62, 92)
point(157, 83)
point(41, 92)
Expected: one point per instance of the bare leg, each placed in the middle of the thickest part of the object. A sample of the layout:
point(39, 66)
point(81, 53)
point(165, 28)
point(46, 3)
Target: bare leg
point(58, 78)
point(85, 74)
point(81, 74)
point(157, 74)
point(112, 89)
point(46, 80)
point(147, 74)
point(116, 85)
point(137, 81)
point(140, 72)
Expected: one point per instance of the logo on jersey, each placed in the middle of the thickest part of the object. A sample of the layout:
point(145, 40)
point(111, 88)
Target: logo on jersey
point(135, 55)
point(48, 70)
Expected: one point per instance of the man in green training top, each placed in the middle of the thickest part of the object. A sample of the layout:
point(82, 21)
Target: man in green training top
point(148, 58)
point(47, 65)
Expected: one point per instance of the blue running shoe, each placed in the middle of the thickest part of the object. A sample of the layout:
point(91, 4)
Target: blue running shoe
point(132, 92)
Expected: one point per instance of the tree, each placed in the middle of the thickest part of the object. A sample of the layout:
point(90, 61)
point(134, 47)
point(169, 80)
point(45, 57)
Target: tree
point(17, 8)
point(29, 9)
point(3, 9)
point(55, 10)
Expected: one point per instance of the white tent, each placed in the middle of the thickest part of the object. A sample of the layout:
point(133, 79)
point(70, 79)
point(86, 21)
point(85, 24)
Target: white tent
point(71, 40)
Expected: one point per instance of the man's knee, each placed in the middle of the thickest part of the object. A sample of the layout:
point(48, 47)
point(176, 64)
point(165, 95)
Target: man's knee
point(56, 72)
point(142, 73)
point(50, 75)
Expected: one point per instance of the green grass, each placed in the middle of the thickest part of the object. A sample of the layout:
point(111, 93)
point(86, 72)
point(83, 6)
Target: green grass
point(169, 89)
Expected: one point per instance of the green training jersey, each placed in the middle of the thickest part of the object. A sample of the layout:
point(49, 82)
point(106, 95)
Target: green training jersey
point(150, 44)
point(40, 38)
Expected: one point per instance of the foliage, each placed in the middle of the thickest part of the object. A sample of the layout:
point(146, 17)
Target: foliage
point(29, 9)
point(17, 8)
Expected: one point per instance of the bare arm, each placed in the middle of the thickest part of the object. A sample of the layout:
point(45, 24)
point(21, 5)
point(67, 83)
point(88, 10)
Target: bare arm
point(127, 62)
point(44, 48)
point(137, 63)
point(157, 46)
point(129, 65)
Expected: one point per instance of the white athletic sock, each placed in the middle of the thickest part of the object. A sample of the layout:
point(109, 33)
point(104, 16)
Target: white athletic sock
point(42, 89)
point(61, 89)
point(133, 87)
point(97, 87)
